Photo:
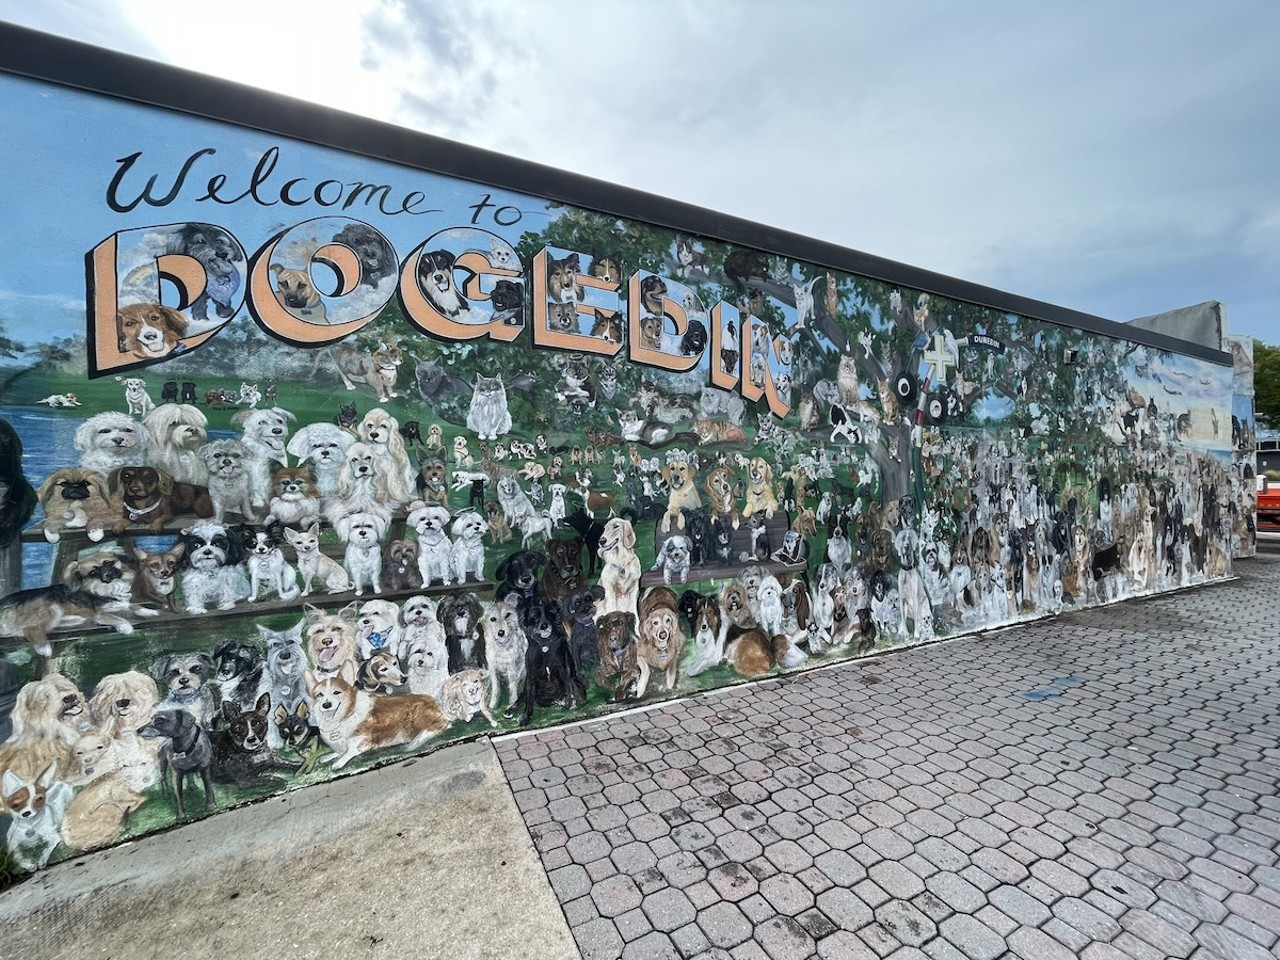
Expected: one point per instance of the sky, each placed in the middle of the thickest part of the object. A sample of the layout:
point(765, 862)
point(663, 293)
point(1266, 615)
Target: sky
point(1118, 157)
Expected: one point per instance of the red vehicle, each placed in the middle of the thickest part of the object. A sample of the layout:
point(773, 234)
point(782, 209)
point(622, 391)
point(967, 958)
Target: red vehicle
point(1268, 500)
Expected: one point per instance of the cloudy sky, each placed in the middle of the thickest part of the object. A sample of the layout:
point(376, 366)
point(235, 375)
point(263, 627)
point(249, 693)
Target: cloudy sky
point(1114, 156)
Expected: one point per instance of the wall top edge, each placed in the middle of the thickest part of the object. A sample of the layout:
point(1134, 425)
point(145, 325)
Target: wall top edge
point(45, 57)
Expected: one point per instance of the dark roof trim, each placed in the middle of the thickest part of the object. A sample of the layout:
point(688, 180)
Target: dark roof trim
point(43, 56)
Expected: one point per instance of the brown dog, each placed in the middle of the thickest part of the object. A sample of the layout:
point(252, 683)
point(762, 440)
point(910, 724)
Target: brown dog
point(616, 644)
point(149, 330)
point(564, 568)
point(661, 639)
point(719, 490)
point(760, 495)
point(145, 495)
point(680, 476)
point(159, 576)
point(296, 294)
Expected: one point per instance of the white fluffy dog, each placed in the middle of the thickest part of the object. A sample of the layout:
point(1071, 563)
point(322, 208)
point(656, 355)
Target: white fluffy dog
point(177, 431)
point(137, 401)
point(378, 628)
point(263, 432)
point(381, 431)
point(362, 485)
point(321, 445)
point(769, 597)
point(363, 534)
point(109, 441)
point(620, 575)
point(468, 547)
point(212, 571)
point(435, 551)
point(423, 640)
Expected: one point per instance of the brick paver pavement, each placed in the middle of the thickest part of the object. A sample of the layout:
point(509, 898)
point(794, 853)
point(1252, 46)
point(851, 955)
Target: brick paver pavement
point(1102, 785)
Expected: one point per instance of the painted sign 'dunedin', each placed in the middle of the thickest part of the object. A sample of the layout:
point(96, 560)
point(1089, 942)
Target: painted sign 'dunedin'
point(317, 459)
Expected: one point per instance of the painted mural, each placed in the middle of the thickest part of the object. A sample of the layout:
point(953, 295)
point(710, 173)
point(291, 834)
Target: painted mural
point(312, 462)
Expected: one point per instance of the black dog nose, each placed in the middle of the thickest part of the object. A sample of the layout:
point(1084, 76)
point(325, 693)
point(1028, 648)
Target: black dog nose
point(122, 704)
point(70, 699)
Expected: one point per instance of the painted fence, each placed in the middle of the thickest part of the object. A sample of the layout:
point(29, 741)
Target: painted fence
point(315, 460)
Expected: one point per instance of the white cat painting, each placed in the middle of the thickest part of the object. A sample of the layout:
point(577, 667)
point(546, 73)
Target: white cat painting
point(489, 416)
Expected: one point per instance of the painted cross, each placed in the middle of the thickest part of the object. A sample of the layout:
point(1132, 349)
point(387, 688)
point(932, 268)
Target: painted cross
point(942, 356)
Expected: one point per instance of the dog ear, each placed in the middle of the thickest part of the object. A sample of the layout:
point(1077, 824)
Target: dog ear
point(113, 482)
point(230, 711)
point(284, 413)
point(221, 649)
point(176, 321)
point(348, 672)
point(311, 613)
point(161, 667)
point(350, 611)
point(504, 568)
point(263, 704)
point(165, 482)
point(311, 680)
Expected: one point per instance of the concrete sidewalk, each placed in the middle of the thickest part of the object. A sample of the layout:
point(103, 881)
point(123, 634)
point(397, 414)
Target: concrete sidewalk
point(1102, 785)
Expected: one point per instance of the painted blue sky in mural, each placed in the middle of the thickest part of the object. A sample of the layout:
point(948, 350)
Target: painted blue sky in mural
point(1095, 156)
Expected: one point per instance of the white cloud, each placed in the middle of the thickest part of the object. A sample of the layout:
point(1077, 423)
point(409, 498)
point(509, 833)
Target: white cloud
point(1116, 157)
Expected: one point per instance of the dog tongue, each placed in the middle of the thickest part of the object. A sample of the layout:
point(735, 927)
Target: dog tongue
point(327, 654)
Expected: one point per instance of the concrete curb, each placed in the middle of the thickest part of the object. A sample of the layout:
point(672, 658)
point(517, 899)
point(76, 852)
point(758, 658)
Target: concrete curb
point(427, 857)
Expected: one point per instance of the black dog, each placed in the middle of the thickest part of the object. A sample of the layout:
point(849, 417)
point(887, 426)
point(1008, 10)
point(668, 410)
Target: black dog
point(579, 609)
point(377, 258)
point(188, 391)
point(169, 392)
point(694, 340)
point(239, 673)
point(347, 416)
point(721, 541)
point(507, 298)
point(697, 527)
point(18, 501)
point(690, 603)
point(240, 752)
point(188, 753)
point(411, 430)
point(590, 530)
point(519, 575)
point(217, 253)
point(550, 674)
point(460, 615)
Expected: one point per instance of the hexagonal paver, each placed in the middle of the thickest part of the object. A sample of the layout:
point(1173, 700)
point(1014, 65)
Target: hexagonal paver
point(1096, 785)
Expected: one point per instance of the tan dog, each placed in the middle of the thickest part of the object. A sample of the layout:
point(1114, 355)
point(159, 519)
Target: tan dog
point(149, 330)
point(680, 476)
point(297, 295)
point(331, 638)
point(660, 639)
point(719, 490)
point(48, 717)
point(760, 493)
point(620, 576)
point(76, 499)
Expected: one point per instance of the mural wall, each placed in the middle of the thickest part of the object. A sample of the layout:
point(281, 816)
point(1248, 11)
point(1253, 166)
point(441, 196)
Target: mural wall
point(312, 462)
point(1244, 443)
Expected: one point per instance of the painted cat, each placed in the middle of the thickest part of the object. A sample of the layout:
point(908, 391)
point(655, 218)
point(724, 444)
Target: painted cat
point(489, 415)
